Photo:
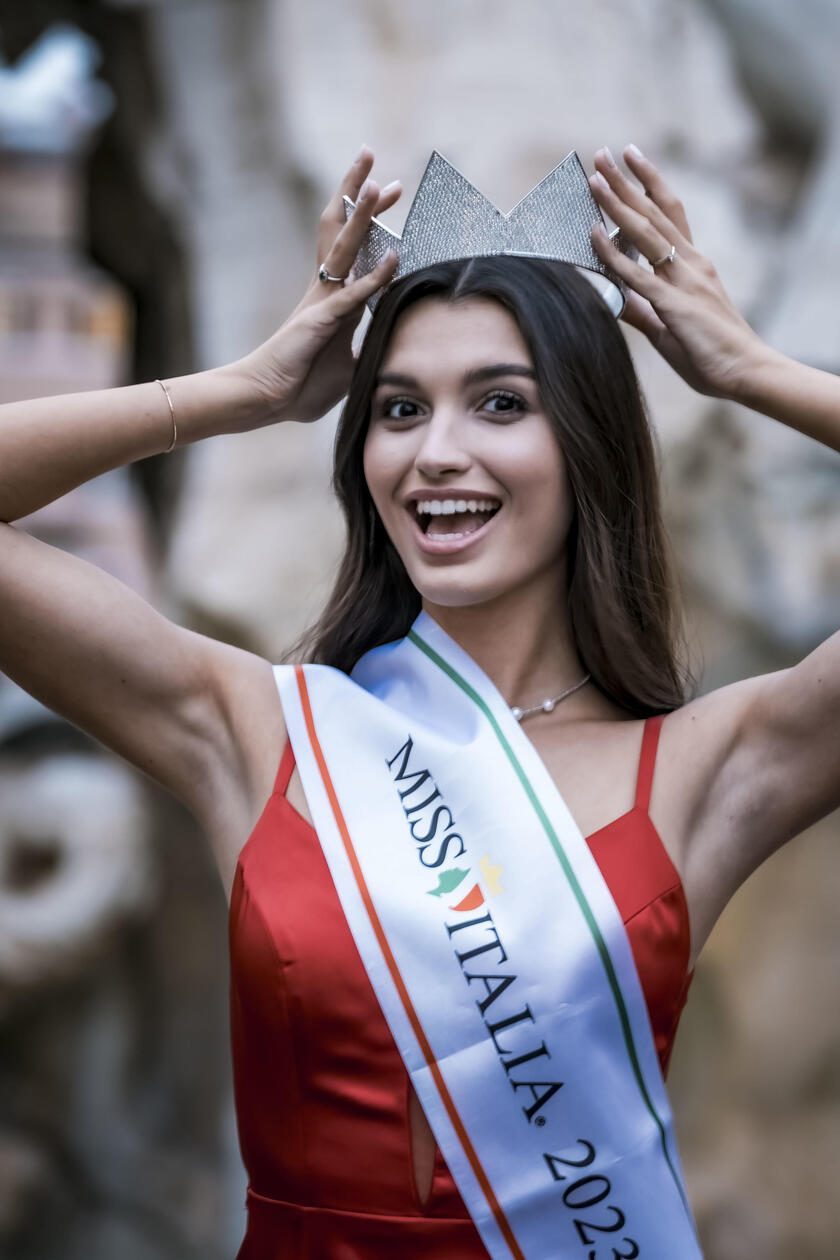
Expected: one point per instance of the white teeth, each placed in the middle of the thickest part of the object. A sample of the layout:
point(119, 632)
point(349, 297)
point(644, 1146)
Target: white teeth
point(448, 507)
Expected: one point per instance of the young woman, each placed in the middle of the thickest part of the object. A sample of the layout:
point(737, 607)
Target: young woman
point(497, 474)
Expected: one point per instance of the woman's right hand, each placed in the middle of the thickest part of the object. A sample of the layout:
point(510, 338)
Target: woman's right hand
point(305, 368)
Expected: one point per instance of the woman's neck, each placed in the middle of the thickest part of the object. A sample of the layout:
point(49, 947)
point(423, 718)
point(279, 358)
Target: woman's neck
point(523, 641)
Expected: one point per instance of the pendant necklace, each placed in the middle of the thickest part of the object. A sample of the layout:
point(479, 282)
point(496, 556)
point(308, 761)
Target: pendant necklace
point(549, 705)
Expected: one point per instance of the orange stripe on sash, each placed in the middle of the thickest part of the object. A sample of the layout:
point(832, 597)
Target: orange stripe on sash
point(457, 1123)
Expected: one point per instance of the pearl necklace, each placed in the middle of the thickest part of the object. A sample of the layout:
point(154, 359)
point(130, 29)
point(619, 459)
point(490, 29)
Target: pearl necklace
point(547, 706)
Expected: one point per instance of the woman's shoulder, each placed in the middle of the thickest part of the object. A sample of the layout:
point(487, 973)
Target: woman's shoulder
point(250, 734)
point(706, 795)
point(699, 738)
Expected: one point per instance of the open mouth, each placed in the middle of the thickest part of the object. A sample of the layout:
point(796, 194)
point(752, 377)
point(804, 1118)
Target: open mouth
point(454, 518)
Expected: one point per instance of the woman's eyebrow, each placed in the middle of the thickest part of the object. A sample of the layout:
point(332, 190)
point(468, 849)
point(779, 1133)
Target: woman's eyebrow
point(499, 369)
point(472, 377)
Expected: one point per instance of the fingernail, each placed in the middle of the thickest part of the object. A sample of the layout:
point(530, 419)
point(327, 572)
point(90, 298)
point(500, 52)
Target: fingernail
point(389, 260)
point(597, 181)
point(395, 183)
point(635, 150)
point(364, 190)
point(609, 157)
point(361, 154)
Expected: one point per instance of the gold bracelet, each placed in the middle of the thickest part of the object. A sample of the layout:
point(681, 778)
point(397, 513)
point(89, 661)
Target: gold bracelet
point(171, 445)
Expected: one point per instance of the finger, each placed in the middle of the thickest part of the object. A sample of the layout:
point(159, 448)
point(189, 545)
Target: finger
point(347, 243)
point(333, 216)
point(635, 197)
point(657, 190)
point(639, 313)
point(346, 300)
point(637, 227)
point(390, 194)
point(356, 175)
point(647, 283)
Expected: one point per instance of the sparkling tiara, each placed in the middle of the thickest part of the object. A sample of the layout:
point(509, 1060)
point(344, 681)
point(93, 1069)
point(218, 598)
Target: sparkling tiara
point(450, 219)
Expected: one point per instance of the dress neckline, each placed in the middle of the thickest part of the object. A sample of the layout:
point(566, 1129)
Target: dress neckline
point(304, 822)
point(640, 806)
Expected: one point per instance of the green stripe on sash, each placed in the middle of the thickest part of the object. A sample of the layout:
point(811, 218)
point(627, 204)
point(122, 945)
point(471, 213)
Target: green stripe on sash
point(586, 909)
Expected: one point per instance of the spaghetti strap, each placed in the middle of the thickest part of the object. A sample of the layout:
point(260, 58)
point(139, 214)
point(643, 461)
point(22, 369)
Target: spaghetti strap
point(647, 760)
point(287, 765)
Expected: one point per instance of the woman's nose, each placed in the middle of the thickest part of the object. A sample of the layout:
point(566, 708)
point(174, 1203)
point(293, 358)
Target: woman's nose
point(441, 449)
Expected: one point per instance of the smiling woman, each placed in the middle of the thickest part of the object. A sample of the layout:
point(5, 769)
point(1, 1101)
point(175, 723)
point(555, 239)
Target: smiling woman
point(505, 380)
point(463, 914)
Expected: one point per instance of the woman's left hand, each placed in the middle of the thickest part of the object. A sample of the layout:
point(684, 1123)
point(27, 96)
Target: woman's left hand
point(681, 306)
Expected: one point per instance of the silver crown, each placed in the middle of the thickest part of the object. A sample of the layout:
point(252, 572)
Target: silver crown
point(450, 219)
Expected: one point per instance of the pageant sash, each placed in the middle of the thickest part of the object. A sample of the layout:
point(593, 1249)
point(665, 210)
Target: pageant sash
point(496, 952)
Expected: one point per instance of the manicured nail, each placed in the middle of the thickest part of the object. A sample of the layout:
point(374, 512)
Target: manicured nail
point(361, 155)
point(597, 181)
point(610, 160)
point(364, 190)
point(636, 151)
point(389, 188)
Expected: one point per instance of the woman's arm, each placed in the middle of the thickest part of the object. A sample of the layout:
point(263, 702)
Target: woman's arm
point(760, 759)
point(802, 397)
point(72, 635)
point(48, 446)
point(167, 699)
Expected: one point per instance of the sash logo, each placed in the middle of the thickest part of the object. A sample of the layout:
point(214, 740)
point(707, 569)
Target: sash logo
point(511, 1024)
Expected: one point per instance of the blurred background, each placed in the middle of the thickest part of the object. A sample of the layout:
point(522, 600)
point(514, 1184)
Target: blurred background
point(162, 167)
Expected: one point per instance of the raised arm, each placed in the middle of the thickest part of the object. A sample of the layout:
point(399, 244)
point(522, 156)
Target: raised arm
point(762, 756)
point(78, 639)
point(50, 445)
point(75, 637)
point(802, 397)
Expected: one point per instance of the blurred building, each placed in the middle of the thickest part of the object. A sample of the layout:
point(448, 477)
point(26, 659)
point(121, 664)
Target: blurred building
point(64, 324)
point(87, 1086)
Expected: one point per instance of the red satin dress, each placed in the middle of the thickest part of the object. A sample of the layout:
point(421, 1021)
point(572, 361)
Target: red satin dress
point(322, 1095)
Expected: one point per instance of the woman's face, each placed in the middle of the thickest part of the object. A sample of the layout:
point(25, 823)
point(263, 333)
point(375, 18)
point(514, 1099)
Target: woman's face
point(461, 461)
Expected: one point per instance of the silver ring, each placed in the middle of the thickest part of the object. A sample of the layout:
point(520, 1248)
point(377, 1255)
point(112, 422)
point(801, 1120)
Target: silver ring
point(325, 277)
point(669, 257)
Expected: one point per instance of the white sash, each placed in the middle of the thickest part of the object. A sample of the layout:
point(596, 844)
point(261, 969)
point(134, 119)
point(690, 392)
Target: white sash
point(496, 952)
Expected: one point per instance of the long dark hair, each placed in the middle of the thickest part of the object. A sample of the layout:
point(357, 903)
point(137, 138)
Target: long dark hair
point(621, 593)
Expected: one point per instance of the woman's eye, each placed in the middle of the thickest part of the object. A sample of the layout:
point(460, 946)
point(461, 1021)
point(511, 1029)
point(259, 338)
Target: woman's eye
point(508, 403)
point(501, 403)
point(398, 409)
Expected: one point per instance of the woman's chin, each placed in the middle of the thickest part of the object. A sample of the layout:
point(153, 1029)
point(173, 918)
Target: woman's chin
point(457, 590)
point(473, 586)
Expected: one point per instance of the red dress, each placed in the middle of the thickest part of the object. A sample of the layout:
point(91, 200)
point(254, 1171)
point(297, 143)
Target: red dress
point(321, 1090)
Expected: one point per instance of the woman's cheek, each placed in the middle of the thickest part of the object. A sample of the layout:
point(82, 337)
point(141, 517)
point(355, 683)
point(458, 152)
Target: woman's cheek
point(382, 480)
point(375, 472)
